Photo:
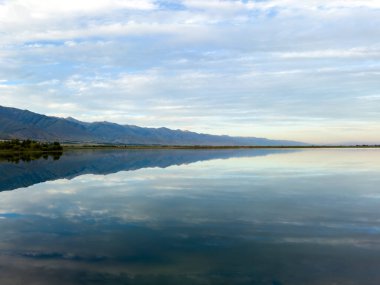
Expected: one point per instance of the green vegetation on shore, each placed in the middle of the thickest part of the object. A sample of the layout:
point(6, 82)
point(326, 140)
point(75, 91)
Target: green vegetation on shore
point(29, 146)
point(28, 150)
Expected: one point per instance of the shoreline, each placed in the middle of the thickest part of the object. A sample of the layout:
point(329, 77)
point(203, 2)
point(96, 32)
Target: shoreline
point(173, 147)
point(129, 147)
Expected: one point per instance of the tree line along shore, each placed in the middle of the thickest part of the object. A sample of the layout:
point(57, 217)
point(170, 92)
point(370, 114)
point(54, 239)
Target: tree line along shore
point(17, 145)
point(28, 145)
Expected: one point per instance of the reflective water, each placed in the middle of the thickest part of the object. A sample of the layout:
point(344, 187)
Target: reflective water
point(192, 217)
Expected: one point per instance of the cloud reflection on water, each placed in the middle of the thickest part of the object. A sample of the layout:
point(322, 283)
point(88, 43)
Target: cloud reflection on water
point(245, 220)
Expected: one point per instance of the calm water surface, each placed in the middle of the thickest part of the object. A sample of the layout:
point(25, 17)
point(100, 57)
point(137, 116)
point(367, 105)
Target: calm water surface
point(192, 217)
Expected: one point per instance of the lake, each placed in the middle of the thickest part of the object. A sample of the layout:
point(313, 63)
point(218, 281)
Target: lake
point(266, 216)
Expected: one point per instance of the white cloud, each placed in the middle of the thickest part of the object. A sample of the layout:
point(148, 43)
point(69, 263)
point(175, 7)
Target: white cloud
point(319, 4)
point(372, 97)
point(219, 66)
point(287, 5)
point(334, 53)
point(27, 20)
point(225, 5)
point(43, 9)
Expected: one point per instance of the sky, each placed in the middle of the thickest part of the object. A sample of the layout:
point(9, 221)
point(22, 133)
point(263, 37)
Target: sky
point(281, 69)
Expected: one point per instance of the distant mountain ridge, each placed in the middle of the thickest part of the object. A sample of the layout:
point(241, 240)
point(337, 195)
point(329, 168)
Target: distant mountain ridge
point(24, 124)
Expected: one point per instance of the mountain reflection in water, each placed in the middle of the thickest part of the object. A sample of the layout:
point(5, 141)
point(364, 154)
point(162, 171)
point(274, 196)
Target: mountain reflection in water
point(32, 169)
point(213, 217)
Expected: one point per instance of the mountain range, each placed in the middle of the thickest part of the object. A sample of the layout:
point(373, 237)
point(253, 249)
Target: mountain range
point(24, 124)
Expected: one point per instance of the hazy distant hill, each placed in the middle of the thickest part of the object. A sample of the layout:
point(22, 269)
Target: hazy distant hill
point(22, 124)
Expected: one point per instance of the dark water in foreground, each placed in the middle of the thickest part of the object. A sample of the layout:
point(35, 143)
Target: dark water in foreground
point(192, 217)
